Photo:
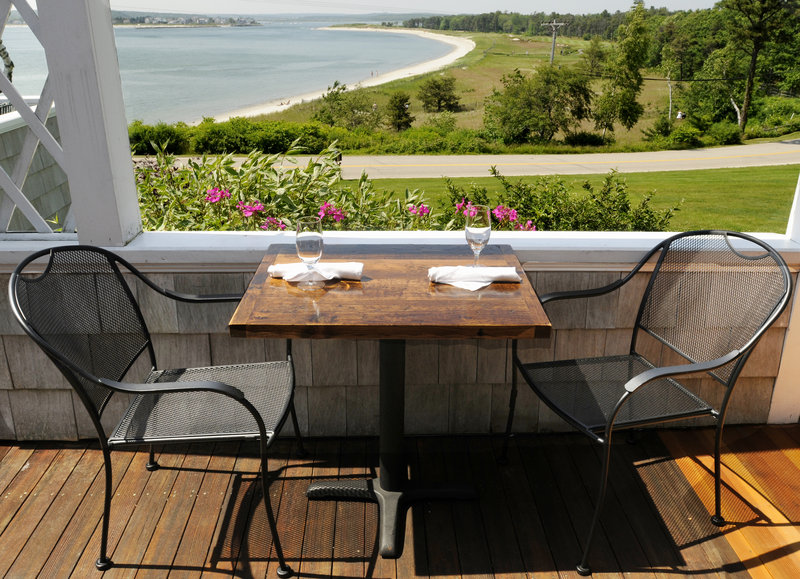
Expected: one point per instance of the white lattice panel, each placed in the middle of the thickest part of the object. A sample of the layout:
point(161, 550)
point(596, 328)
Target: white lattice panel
point(37, 135)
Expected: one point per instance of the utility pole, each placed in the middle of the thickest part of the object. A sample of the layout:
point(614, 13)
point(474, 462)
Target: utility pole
point(554, 25)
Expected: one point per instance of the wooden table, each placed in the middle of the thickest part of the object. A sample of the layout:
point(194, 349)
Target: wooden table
point(393, 302)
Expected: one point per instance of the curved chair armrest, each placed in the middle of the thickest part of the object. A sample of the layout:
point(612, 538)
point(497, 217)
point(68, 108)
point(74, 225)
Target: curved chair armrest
point(654, 373)
point(165, 387)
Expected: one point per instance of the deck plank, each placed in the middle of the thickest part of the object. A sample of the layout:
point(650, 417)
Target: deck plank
point(139, 532)
point(622, 539)
point(44, 538)
point(443, 560)
point(514, 530)
point(473, 552)
point(26, 478)
point(201, 514)
point(12, 462)
point(318, 541)
point(688, 459)
point(350, 548)
point(74, 540)
point(123, 504)
point(160, 553)
point(195, 544)
point(414, 560)
point(562, 539)
point(31, 511)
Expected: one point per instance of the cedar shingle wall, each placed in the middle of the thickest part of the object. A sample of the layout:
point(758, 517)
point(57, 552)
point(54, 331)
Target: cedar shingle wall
point(452, 387)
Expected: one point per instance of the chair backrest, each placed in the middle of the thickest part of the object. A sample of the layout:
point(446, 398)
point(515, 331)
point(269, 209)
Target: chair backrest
point(713, 292)
point(74, 302)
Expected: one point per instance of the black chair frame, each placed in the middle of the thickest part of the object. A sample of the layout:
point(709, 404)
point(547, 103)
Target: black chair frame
point(651, 376)
point(95, 391)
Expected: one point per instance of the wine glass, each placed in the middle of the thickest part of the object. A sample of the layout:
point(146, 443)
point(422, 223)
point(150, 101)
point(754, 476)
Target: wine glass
point(478, 229)
point(309, 247)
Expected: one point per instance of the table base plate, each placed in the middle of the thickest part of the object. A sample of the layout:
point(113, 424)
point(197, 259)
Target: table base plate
point(392, 505)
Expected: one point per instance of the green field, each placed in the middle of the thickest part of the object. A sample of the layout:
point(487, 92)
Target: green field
point(751, 199)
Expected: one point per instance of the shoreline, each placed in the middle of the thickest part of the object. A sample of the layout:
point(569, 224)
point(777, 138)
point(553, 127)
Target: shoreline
point(461, 47)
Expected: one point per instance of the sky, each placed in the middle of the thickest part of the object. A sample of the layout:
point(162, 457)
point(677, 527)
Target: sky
point(397, 6)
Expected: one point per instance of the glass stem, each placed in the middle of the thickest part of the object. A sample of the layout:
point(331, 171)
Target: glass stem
point(475, 261)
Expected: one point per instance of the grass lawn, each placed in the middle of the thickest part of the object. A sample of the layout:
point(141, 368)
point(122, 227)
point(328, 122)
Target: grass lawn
point(750, 199)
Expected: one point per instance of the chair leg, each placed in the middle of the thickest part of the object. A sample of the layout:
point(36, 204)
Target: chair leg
point(717, 519)
point(283, 569)
point(301, 449)
point(583, 567)
point(103, 562)
point(152, 463)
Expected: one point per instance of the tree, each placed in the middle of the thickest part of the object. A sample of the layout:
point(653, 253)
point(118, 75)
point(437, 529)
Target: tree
point(618, 101)
point(717, 89)
point(398, 116)
point(752, 25)
point(534, 108)
point(594, 57)
point(439, 94)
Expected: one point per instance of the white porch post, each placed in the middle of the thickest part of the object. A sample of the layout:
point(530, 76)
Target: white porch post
point(82, 58)
point(785, 405)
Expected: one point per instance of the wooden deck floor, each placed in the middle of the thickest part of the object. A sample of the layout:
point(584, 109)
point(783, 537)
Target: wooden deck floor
point(206, 518)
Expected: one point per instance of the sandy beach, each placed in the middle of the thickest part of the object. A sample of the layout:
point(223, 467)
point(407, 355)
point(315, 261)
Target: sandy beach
point(461, 47)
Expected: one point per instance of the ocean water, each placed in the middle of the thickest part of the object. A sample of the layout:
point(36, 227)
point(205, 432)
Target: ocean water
point(184, 74)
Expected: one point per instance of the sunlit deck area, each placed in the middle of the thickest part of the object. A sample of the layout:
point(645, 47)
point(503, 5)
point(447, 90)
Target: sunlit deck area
point(200, 514)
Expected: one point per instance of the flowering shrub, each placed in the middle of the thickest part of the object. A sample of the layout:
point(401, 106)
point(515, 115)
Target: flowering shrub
point(270, 192)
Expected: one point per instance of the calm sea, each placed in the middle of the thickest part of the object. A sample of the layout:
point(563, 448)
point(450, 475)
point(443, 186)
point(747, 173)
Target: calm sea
point(184, 74)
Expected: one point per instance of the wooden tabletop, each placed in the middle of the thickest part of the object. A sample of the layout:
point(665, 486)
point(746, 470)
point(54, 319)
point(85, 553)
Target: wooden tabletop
point(394, 299)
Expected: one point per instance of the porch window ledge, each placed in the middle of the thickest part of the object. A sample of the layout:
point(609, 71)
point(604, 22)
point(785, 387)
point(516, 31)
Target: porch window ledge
point(242, 251)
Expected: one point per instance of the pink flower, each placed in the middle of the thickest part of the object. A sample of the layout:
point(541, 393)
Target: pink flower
point(270, 224)
point(502, 214)
point(214, 195)
point(470, 210)
point(249, 210)
point(328, 210)
point(460, 206)
point(420, 211)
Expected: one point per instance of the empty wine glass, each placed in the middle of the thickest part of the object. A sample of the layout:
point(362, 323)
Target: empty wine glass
point(478, 229)
point(309, 247)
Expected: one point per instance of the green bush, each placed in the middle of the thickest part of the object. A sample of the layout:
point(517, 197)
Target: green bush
point(724, 133)
point(584, 139)
point(684, 136)
point(234, 136)
point(145, 139)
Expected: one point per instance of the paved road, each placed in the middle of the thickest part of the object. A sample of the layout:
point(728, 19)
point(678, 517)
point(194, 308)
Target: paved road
point(418, 166)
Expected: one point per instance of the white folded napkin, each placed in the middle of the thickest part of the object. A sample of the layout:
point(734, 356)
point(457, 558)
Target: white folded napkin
point(321, 271)
point(471, 278)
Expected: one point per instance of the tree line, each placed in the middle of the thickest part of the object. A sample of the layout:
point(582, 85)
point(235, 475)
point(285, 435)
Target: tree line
point(604, 24)
point(721, 61)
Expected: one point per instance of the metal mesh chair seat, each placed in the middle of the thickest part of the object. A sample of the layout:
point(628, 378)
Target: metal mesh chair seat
point(586, 392)
point(184, 415)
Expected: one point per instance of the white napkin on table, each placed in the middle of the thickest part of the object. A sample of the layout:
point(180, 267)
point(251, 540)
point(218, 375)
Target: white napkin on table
point(471, 278)
point(321, 271)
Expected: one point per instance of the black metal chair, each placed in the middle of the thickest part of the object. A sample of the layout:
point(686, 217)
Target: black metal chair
point(711, 296)
point(77, 306)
